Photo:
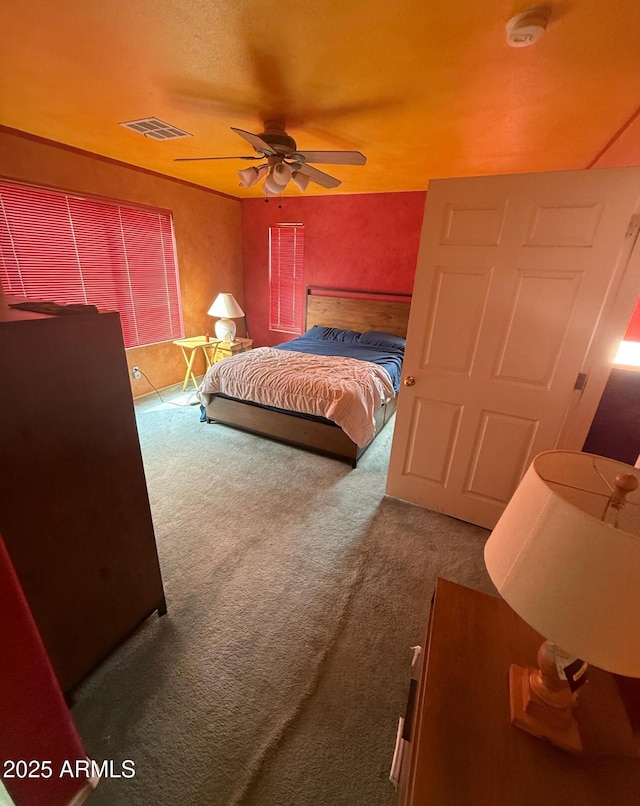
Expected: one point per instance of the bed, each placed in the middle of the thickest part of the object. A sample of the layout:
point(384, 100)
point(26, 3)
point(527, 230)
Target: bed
point(359, 340)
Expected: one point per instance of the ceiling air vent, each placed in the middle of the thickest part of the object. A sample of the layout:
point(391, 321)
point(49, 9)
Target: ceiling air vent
point(152, 127)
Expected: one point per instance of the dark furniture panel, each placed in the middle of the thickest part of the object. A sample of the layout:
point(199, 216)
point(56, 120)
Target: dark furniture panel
point(75, 512)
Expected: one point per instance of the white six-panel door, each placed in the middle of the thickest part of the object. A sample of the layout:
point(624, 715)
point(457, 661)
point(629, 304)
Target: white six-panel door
point(514, 275)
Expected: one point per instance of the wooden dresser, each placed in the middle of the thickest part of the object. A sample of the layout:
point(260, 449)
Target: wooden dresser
point(462, 749)
point(74, 509)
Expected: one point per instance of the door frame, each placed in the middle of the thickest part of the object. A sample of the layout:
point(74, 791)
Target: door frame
point(609, 332)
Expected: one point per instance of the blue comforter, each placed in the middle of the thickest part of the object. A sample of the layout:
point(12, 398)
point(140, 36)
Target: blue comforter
point(380, 348)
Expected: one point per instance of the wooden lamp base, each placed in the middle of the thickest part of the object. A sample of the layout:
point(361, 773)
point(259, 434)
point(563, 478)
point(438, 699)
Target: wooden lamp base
point(542, 704)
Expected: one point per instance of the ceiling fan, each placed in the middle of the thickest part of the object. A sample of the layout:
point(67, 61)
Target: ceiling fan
point(284, 162)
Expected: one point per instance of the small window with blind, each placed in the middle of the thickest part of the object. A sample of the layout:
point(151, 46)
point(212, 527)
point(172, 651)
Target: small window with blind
point(63, 248)
point(286, 257)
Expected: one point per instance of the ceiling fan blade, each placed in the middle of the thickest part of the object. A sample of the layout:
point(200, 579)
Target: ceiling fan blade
point(319, 177)
point(196, 159)
point(332, 157)
point(257, 142)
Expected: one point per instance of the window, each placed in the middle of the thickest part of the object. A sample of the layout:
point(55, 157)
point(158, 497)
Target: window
point(286, 256)
point(63, 248)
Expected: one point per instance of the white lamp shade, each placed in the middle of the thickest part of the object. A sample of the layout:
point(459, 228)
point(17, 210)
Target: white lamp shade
point(225, 305)
point(248, 176)
point(570, 575)
point(281, 173)
point(301, 181)
point(272, 187)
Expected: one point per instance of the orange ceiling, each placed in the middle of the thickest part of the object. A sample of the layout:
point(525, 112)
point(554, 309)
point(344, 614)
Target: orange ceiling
point(424, 88)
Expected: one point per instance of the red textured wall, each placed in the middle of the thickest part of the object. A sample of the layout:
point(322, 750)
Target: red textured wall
point(368, 242)
point(34, 720)
point(633, 330)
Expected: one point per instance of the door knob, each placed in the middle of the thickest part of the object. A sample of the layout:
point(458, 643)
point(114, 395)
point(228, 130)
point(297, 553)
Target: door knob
point(409, 380)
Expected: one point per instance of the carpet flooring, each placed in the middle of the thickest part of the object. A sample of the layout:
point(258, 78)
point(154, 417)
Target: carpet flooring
point(295, 591)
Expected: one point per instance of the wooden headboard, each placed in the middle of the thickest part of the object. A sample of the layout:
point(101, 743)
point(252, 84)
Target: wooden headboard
point(328, 308)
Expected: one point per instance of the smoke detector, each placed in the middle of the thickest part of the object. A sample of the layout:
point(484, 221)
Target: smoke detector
point(526, 28)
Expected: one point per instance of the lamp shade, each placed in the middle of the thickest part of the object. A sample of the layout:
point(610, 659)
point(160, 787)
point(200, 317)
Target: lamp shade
point(248, 176)
point(567, 559)
point(225, 305)
point(271, 186)
point(281, 173)
point(300, 180)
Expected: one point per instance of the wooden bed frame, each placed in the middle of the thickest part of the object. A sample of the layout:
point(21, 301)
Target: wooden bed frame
point(330, 308)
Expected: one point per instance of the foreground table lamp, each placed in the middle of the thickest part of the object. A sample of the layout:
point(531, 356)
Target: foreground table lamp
point(566, 556)
point(226, 307)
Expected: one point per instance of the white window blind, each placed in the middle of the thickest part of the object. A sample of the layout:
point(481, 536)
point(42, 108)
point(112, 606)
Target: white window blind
point(286, 258)
point(62, 248)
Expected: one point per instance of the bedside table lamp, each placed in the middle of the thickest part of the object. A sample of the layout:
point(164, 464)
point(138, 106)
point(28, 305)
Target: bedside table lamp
point(226, 307)
point(565, 555)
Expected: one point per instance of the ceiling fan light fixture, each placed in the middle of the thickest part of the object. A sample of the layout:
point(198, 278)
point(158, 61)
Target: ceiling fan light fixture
point(300, 180)
point(271, 187)
point(248, 176)
point(526, 28)
point(281, 173)
point(283, 163)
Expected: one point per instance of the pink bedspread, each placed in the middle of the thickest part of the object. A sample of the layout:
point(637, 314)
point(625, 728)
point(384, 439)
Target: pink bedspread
point(345, 390)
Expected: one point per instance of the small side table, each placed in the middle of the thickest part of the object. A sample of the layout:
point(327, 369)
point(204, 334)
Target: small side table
point(189, 349)
point(227, 349)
